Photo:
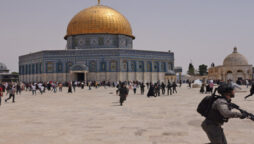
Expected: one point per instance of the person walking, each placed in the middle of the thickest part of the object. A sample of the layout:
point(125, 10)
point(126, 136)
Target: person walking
point(151, 91)
point(202, 89)
point(11, 94)
point(33, 89)
point(211, 85)
point(174, 85)
point(189, 83)
point(123, 93)
point(169, 87)
point(18, 87)
point(134, 88)
point(60, 85)
point(69, 88)
point(142, 88)
point(251, 92)
point(1, 94)
point(247, 83)
point(163, 86)
point(42, 89)
point(74, 84)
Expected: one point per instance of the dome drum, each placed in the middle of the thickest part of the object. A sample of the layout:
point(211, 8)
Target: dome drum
point(99, 41)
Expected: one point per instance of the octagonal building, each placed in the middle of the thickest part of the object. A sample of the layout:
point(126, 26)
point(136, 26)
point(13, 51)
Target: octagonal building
point(99, 48)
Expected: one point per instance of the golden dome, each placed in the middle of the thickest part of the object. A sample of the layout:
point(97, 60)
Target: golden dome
point(235, 59)
point(99, 19)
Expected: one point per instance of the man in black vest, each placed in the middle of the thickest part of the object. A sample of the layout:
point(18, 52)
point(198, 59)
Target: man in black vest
point(219, 114)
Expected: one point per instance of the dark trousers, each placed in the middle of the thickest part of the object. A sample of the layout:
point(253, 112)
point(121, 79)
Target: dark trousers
point(134, 90)
point(214, 132)
point(251, 94)
point(170, 90)
point(0, 100)
point(122, 99)
point(174, 90)
point(163, 91)
point(11, 96)
point(142, 91)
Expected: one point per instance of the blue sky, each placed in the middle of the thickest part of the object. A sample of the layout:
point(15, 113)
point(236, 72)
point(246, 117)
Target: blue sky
point(201, 31)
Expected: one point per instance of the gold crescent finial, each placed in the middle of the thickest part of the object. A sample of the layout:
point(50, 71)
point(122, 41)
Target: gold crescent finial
point(99, 2)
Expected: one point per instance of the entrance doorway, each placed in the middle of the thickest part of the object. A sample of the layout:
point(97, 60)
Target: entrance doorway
point(78, 72)
point(229, 76)
point(80, 76)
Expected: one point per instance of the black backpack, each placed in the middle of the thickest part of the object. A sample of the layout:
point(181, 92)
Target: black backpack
point(205, 105)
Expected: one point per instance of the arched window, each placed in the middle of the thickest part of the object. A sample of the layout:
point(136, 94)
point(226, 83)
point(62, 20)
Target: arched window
point(141, 66)
point(50, 67)
point(40, 68)
point(26, 70)
point(163, 67)
point(156, 67)
point(36, 68)
point(133, 66)
point(113, 66)
point(229, 75)
point(59, 67)
point(170, 66)
point(103, 66)
point(101, 41)
point(92, 66)
point(149, 67)
point(30, 69)
point(88, 42)
point(125, 66)
point(68, 66)
point(33, 69)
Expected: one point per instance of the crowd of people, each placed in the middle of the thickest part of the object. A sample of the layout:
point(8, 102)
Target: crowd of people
point(154, 89)
point(14, 88)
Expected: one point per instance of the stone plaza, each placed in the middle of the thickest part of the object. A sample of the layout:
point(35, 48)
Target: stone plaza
point(95, 117)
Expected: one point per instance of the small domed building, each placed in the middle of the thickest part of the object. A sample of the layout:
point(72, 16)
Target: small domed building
point(3, 68)
point(5, 76)
point(99, 48)
point(235, 67)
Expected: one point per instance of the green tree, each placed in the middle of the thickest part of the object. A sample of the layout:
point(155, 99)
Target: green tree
point(191, 70)
point(203, 70)
point(15, 73)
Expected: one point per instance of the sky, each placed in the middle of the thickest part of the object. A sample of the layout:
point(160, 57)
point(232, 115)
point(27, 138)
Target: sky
point(197, 31)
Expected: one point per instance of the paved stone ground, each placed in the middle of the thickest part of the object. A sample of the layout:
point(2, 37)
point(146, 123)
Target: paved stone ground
point(94, 117)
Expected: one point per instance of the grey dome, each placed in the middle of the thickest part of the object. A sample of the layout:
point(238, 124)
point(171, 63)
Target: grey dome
point(3, 67)
point(235, 59)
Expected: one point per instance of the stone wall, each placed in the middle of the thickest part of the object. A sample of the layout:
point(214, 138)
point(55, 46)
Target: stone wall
point(230, 72)
point(100, 76)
